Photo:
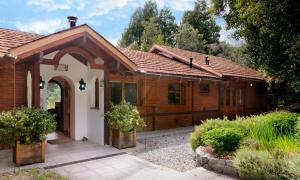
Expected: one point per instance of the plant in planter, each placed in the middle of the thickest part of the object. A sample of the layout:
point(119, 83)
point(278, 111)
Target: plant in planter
point(124, 120)
point(25, 130)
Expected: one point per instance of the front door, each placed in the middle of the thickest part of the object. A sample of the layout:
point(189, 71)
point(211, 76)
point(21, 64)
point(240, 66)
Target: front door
point(231, 101)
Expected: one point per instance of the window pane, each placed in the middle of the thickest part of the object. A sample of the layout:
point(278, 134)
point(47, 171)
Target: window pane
point(131, 93)
point(233, 97)
point(221, 97)
point(115, 92)
point(174, 93)
point(241, 97)
point(227, 97)
point(204, 88)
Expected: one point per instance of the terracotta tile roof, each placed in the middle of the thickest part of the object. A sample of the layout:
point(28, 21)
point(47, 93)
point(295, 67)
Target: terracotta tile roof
point(10, 39)
point(217, 65)
point(151, 62)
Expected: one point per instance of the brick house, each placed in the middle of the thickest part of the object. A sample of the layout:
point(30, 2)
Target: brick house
point(170, 87)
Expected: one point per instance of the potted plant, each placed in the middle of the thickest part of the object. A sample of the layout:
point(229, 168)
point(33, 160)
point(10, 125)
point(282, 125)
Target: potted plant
point(25, 130)
point(124, 120)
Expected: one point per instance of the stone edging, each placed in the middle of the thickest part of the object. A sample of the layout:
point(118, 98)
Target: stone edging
point(207, 161)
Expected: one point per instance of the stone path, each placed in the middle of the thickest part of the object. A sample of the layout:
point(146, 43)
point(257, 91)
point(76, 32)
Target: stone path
point(129, 167)
point(61, 153)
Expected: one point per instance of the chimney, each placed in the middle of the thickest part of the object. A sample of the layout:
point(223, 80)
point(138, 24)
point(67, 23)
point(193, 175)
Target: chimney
point(206, 61)
point(191, 62)
point(72, 21)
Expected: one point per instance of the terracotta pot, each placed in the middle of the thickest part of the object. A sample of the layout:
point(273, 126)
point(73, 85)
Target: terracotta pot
point(123, 140)
point(25, 154)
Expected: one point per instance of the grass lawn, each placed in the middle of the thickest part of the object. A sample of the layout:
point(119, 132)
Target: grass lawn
point(32, 174)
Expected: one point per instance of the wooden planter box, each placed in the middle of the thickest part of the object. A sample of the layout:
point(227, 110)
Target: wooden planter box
point(123, 140)
point(25, 154)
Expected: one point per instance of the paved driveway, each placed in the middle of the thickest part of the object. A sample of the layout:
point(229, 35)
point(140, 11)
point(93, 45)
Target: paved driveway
point(129, 167)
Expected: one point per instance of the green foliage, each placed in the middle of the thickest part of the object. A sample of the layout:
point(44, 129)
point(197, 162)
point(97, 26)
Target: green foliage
point(242, 124)
point(276, 130)
point(262, 164)
point(54, 93)
point(124, 117)
point(223, 140)
point(151, 35)
point(272, 35)
point(203, 21)
point(25, 125)
point(238, 54)
point(147, 27)
point(188, 38)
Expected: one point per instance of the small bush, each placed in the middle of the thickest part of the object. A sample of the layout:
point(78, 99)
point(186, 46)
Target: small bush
point(223, 140)
point(284, 123)
point(124, 117)
point(242, 123)
point(254, 164)
point(26, 125)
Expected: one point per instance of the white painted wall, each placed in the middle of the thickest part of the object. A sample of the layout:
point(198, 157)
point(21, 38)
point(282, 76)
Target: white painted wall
point(29, 89)
point(84, 121)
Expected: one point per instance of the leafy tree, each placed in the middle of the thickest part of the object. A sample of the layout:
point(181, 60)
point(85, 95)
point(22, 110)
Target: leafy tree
point(151, 35)
point(167, 25)
point(237, 54)
point(271, 30)
point(202, 20)
point(133, 33)
point(189, 38)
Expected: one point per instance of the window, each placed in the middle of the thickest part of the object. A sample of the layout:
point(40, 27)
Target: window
point(97, 93)
point(176, 94)
point(222, 97)
point(204, 88)
point(131, 93)
point(123, 91)
point(233, 97)
point(115, 92)
point(227, 97)
point(241, 96)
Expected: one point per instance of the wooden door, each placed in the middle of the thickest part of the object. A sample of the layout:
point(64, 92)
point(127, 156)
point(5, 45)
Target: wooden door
point(231, 101)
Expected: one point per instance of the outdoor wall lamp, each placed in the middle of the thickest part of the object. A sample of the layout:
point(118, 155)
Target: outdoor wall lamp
point(82, 85)
point(42, 83)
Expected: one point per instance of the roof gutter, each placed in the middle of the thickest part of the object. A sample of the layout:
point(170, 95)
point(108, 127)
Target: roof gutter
point(177, 76)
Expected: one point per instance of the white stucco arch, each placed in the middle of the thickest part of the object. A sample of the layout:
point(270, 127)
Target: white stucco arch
point(88, 122)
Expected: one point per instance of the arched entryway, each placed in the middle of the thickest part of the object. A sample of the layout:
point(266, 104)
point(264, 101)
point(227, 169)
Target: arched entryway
point(60, 97)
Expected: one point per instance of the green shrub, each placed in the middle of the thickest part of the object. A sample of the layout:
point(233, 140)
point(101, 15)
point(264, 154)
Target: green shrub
point(25, 125)
point(284, 123)
point(223, 140)
point(276, 130)
point(242, 123)
point(261, 164)
point(124, 117)
point(297, 133)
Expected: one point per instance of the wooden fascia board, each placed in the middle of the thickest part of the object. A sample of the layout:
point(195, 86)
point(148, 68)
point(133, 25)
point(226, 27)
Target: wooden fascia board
point(108, 46)
point(184, 60)
point(55, 39)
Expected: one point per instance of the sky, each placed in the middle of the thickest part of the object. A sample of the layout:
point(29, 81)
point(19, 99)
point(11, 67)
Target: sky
point(108, 17)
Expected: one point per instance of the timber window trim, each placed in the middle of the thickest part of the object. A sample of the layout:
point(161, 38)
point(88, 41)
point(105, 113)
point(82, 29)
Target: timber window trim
point(176, 94)
point(204, 88)
point(123, 92)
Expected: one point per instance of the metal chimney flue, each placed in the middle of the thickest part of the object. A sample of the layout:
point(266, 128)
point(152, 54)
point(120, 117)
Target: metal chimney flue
point(191, 62)
point(206, 61)
point(72, 21)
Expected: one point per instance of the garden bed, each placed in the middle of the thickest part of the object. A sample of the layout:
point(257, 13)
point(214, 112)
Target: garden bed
point(266, 146)
point(210, 162)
